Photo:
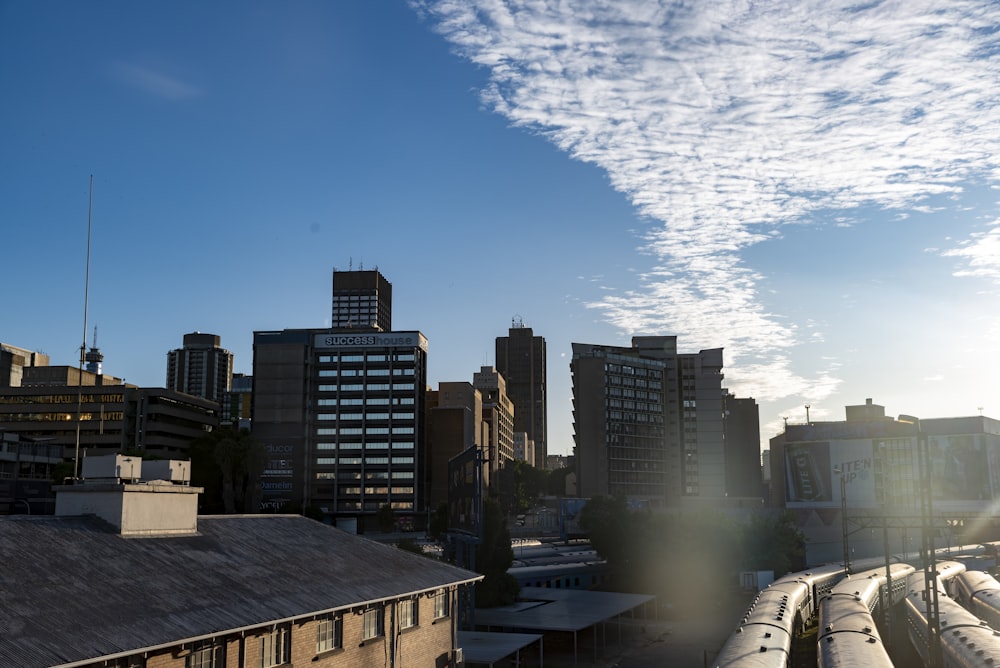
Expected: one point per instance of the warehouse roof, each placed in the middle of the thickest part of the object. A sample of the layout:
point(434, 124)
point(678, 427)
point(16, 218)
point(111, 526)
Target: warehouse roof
point(74, 589)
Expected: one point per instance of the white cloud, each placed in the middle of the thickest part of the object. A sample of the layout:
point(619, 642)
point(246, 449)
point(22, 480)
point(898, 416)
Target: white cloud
point(155, 82)
point(722, 121)
point(981, 254)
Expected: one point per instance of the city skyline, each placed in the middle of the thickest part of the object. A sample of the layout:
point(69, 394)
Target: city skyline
point(810, 186)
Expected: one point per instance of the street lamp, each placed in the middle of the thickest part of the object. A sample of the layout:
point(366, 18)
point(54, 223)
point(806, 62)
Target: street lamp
point(843, 519)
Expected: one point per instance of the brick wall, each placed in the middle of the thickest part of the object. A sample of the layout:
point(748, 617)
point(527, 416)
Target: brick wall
point(429, 643)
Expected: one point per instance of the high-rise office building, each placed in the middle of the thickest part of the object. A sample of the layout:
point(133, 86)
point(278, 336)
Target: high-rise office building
point(361, 299)
point(648, 421)
point(341, 410)
point(341, 413)
point(520, 358)
point(742, 421)
point(201, 368)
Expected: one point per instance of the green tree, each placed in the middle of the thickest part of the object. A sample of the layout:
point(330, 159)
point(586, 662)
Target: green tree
point(494, 556)
point(771, 541)
point(438, 522)
point(610, 525)
point(555, 482)
point(385, 517)
point(228, 464)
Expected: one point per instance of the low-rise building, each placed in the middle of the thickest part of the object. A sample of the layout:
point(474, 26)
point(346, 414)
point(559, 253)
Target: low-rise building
point(127, 575)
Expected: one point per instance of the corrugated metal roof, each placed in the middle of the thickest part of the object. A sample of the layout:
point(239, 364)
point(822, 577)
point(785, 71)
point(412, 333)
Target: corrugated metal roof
point(72, 589)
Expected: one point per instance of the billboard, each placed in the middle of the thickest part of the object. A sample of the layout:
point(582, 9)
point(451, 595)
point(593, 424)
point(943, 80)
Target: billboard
point(961, 467)
point(964, 468)
point(807, 472)
point(813, 472)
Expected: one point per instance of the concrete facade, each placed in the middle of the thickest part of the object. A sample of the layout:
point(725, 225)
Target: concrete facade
point(521, 360)
point(649, 422)
point(202, 367)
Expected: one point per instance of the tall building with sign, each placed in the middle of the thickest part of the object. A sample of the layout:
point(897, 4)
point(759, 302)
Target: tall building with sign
point(202, 367)
point(341, 414)
point(521, 360)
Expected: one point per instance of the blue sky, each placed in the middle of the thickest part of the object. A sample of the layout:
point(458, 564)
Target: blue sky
point(810, 185)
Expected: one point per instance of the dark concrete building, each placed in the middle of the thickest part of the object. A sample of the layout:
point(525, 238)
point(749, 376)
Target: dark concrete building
point(649, 421)
point(202, 367)
point(109, 418)
point(361, 299)
point(520, 359)
point(454, 424)
point(13, 362)
point(742, 454)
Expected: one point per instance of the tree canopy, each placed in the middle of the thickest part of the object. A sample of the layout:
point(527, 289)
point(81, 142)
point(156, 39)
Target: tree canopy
point(228, 464)
point(686, 556)
point(494, 555)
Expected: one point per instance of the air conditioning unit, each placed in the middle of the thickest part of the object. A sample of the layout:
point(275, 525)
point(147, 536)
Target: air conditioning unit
point(116, 468)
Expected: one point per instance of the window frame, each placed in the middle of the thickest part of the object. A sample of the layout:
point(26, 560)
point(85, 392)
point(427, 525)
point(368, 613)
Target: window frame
point(409, 613)
point(329, 634)
point(197, 657)
point(373, 623)
point(442, 604)
point(275, 647)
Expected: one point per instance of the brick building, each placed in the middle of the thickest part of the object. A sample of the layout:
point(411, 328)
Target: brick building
point(144, 582)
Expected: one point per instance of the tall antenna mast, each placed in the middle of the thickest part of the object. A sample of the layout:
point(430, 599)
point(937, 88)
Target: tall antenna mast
point(83, 346)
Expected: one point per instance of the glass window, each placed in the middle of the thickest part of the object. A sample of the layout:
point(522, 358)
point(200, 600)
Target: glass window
point(205, 657)
point(441, 607)
point(408, 613)
point(274, 648)
point(372, 627)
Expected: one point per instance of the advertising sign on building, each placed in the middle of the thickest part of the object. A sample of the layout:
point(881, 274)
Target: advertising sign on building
point(813, 472)
point(964, 468)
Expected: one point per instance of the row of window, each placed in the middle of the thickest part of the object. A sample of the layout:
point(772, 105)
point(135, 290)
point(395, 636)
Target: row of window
point(372, 506)
point(623, 416)
point(369, 445)
point(364, 416)
point(365, 373)
point(275, 647)
point(369, 475)
point(369, 387)
point(368, 431)
point(371, 401)
point(368, 357)
point(376, 491)
point(62, 417)
point(64, 399)
point(356, 461)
